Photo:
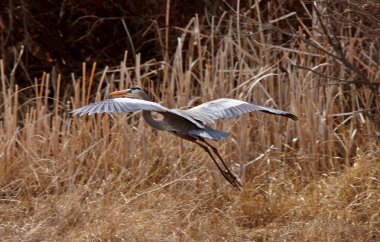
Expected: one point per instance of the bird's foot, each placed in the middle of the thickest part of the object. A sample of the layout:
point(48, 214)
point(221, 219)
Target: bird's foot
point(232, 179)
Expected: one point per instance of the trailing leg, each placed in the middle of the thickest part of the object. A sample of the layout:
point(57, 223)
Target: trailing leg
point(235, 183)
point(227, 174)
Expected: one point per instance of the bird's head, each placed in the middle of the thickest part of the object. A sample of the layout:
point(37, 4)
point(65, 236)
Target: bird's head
point(134, 92)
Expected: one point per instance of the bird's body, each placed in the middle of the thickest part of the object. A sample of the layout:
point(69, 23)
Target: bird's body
point(191, 124)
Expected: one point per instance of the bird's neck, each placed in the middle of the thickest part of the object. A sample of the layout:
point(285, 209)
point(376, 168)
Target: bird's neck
point(148, 114)
point(151, 121)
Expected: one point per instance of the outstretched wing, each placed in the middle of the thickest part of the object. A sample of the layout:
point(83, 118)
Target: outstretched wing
point(128, 105)
point(227, 108)
point(119, 105)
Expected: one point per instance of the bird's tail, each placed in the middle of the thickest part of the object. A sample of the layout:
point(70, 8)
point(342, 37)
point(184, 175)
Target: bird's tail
point(210, 133)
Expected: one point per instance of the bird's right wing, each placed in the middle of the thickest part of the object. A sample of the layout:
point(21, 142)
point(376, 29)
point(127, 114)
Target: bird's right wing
point(119, 105)
point(227, 108)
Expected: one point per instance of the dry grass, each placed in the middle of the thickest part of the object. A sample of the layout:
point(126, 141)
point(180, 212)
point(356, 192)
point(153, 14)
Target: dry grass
point(111, 177)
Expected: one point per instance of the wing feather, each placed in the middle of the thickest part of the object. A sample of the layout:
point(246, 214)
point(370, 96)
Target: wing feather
point(227, 108)
point(118, 107)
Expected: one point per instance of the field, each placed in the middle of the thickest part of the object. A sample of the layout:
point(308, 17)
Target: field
point(111, 177)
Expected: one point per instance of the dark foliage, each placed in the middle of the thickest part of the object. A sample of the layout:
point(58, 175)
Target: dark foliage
point(63, 34)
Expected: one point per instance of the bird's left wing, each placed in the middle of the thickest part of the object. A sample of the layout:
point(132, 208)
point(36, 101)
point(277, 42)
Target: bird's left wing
point(128, 105)
point(227, 108)
point(119, 105)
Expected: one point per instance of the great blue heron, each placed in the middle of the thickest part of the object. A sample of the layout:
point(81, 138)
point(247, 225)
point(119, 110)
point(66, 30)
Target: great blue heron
point(190, 124)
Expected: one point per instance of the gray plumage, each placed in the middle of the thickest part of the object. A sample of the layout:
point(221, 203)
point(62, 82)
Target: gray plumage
point(190, 124)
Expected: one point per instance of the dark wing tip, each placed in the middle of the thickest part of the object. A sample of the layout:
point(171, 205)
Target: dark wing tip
point(282, 113)
point(291, 116)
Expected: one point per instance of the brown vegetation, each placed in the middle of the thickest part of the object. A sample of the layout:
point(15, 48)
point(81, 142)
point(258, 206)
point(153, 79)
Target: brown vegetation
point(111, 177)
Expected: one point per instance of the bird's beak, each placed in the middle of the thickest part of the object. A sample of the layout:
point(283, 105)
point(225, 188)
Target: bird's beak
point(119, 93)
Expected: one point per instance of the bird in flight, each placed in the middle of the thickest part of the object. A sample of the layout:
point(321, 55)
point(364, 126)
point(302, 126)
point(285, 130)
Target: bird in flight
point(190, 124)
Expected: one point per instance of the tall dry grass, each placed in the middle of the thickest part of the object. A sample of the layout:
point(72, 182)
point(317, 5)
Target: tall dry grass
point(111, 177)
